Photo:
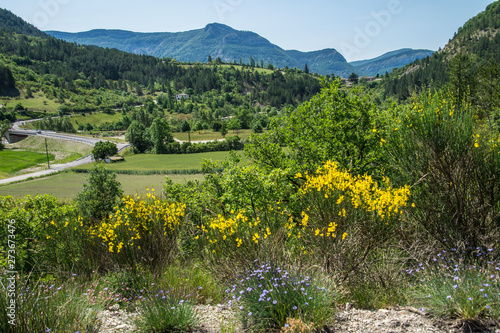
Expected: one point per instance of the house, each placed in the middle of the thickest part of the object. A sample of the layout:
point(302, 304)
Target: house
point(181, 96)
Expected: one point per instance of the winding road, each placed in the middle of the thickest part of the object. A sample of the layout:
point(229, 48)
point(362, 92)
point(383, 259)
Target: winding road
point(57, 167)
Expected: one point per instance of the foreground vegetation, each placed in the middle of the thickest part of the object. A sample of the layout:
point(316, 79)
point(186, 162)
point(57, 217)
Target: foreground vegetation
point(344, 198)
point(373, 217)
point(65, 186)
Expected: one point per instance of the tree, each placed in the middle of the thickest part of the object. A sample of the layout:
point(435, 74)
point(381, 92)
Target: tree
point(103, 149)
point(333, 125)
point(223, 130)
point(306, 69)
point(353, 78)
point(209, 59)
point(99, 197)
point(257, 127)
point(462, 80)
point(138, 137)
point(5, 125)
point(185, 127)
point(198, 127)
point(234, 124)
point(489, 88)
point(160, 135)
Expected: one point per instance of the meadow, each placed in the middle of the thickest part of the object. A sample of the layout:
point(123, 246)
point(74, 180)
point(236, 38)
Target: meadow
point(95, 118)
point(66, 185)
point(39, 103)
point(162, 163)
point(12, 161)
point(209, 135)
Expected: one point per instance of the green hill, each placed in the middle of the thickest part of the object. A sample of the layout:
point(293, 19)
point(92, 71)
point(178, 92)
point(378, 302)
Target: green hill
point(41, 74)
point(216, 40)
point(478, 39)
point(390, 60)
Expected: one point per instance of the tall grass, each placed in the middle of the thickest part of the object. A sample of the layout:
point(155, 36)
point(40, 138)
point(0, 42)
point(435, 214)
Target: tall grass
point(41, 306)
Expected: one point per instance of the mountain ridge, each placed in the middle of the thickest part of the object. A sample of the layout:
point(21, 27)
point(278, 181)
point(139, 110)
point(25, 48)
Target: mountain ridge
point(221, 41)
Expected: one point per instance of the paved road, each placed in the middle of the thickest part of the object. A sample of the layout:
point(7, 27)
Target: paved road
point(58, 167)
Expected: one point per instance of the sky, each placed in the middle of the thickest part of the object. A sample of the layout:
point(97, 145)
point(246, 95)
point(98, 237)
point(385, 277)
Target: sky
point(358, 29)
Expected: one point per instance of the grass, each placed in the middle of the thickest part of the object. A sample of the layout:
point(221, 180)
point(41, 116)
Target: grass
point(237, 66)
point(150, 162)
point(95, 118)
point(13, 161)
point(209, 135)
point(38, 103)
point(66, 185)
point(36, 144)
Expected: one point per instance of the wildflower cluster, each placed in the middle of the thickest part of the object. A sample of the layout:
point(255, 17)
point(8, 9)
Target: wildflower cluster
point(236, 228)
point(137, 218)
point(345, 216)
point(267, 295)
point(362, 191)
point(459, 283)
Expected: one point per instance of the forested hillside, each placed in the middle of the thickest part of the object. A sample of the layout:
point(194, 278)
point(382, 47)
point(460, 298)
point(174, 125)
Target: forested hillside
point(62, 69)
point(478, 40)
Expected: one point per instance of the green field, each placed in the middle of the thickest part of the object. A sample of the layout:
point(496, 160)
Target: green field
point(96, 118)
point(38, 103)
point(12, 161)
point(65, 151)
point(209, 135)
point(151, 162)
point(65, 186)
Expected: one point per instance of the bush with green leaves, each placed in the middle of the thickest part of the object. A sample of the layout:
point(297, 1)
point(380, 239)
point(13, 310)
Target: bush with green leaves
point(245, 221)
point(334, 125)
point(40, 245)
point(100, 195)
point(452, 163)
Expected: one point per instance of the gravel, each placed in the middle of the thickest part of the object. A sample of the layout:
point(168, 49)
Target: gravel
point(393, 320)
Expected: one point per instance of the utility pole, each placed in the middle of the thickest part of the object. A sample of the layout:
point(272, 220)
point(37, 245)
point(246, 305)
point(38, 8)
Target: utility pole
point(47, 151)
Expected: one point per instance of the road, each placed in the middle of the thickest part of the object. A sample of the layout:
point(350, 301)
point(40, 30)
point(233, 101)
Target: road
point(58, 167)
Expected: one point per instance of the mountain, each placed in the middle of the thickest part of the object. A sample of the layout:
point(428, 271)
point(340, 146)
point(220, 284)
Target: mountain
point(478, 41)
point(216, 40)
point(390, 60)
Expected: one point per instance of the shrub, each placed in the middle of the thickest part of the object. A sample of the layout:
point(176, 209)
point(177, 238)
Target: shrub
point(453, 166)
point(345, 217)
point(247, 223)
point(40, 244)
point(100, 195)
point(143, 232)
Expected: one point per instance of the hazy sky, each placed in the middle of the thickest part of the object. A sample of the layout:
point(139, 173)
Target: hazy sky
point(359, 29)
